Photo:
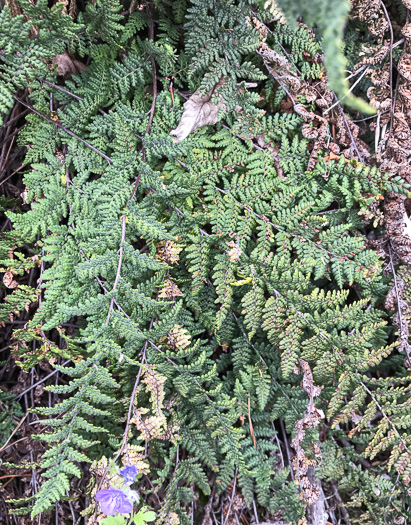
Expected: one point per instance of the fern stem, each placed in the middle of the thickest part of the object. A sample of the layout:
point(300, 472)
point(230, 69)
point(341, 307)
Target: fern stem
point(60, 126)
point(154, 69)
point(64, 90)
point(299, 237)
point(391, 62)
point(14, 431)
point(348, 92)
point(130, 407)
point(120, 262)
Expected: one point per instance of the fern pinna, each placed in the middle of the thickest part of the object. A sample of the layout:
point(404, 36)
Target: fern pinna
point(204, 273)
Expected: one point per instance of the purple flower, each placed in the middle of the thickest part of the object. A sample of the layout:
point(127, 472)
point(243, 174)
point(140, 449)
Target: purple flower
point(129, 473)
point(113, 501)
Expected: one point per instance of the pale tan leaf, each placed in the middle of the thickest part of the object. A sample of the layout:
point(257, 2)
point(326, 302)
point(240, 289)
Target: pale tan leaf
point(24, 195)
point(198, 112)
point(8, 280)
point(67, 66)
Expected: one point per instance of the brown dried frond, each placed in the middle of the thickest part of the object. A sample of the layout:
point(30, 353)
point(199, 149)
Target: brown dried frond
point(170, 290)
point(309, 491)
point(380, 76)
point(166, 517)
point(275, 11)
point(73, 9)
point(364, 10)
point(316, 126)
point(280, 68)
point(154, 382)
point(134, 455)
point(151, 427)
point(178, 338)
point(235, 252)
point(155, 385)
point(168, 252)
point(394, 227)
point(230, 511)
point(404, 66)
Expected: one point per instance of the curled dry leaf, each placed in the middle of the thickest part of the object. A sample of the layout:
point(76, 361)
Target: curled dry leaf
point(8, 280)
point(24, 195)
point(67, 66)
point(198, 112)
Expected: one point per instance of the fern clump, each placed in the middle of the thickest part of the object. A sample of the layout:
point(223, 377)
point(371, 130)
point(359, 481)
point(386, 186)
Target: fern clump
point(189, 213)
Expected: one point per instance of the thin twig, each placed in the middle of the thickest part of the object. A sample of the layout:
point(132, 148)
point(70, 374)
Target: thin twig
point(120, 262)
point(348, 92)
point(391, 46)
point(347, 126)
point(8, 135)
point(287, 449)
point(344, 511)
point(14, 431)
point(20, 115)
point(41, 381)
point(11, 135)
point(22, 475)
point(250, 423)
point(130, 407)
point(64, 90)
point(15, 442)
point(232, 496)
point(60, 126)
point(278, 445)
point(255, 512)
point(7, 154)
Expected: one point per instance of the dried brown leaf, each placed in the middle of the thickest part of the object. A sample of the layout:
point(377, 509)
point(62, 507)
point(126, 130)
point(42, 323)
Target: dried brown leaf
point(67, 66)
point(198, 112)
point(8, 280)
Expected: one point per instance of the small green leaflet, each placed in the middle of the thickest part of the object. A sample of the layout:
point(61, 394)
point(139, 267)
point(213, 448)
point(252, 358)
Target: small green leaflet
point(115, 520)
point(143, 516)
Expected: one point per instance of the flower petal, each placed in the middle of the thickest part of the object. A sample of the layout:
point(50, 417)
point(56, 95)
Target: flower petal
point(125, 506)
point(129, 472)
point(109, 507)
point(113, 501)
point(104, 494)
